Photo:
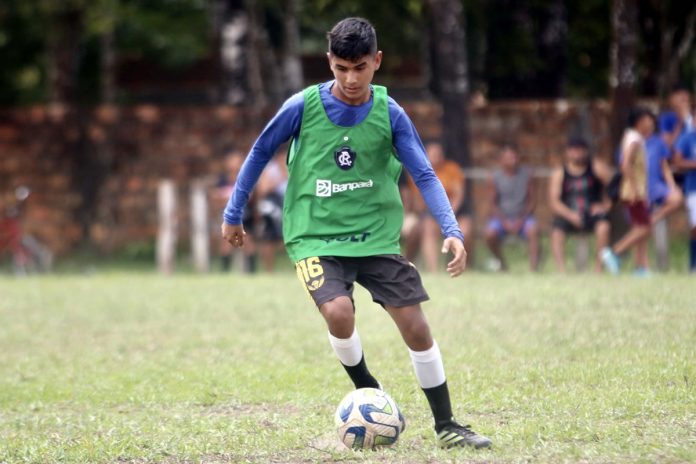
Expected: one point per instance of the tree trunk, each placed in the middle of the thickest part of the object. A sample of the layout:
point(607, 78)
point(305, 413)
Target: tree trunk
point(623, 74)
point(449, 75)
point(62, 54)
point(292, 64)
point(108, 66)
point(234, 46)
point(672, 55)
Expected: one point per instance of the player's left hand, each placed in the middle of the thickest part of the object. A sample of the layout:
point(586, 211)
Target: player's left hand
point(456, 247)
point(234, 234)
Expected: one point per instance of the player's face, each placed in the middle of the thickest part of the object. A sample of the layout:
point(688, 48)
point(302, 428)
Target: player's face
point(646, 126)
point(353, 77)
point(509, 159)
point(680, 101)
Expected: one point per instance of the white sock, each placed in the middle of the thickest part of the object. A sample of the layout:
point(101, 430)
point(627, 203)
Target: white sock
point(430, 371)
point(348, 350)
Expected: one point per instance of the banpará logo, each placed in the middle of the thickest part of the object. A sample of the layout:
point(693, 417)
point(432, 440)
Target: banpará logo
point(326, 188)
point(345, 158)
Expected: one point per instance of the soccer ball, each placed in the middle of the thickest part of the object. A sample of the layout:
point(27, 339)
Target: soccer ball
point(368, 418)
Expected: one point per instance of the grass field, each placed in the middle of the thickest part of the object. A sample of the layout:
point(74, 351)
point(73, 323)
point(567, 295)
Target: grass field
point(140, 368)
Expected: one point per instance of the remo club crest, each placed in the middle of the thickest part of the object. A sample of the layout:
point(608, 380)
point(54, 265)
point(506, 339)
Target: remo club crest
point(345, 158)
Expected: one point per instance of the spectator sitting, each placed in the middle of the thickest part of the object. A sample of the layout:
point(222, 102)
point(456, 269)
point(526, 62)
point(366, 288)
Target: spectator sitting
point(578, 201)
point(271, 193)
point(232, 164)
point(512, 205)
point(426, 232)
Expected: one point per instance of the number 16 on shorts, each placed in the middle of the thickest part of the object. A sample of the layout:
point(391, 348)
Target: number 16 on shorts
point(310, 272)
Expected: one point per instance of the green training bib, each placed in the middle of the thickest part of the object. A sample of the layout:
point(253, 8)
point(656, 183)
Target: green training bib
point(343, 196)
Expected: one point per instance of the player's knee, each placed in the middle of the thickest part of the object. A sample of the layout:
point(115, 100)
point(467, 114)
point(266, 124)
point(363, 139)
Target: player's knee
point(418, 333)
point(338, 313)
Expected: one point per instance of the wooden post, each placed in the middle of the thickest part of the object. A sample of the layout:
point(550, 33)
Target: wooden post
point(582, 252)
point(200, 245)
point(166, 236)
point(661, 245)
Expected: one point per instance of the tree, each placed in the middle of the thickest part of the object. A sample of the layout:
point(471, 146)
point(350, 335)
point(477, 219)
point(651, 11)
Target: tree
point(449, 75)
point(623, 56)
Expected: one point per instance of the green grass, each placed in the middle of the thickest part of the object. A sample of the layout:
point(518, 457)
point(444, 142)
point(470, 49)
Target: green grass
point(141, 368)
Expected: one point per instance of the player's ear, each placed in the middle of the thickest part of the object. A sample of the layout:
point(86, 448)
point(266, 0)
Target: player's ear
point(328, 57)
point(378, 59)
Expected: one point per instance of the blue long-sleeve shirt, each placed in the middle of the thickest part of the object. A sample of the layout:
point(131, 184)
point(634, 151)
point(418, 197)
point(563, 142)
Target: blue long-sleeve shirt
point(286, 125)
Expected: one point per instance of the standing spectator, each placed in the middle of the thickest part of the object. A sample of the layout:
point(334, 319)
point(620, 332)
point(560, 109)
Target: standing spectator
point(680, 103)
point(633, 193)
point(664, 195)
point(685, 159)
point(271, 193)
point(232, 165)
point(512, 205)
point(427, 231)
point(578, 201)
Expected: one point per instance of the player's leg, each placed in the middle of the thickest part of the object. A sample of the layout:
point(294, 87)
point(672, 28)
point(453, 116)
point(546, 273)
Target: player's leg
point(672, 203)
point(339, 315)
point(395, 284)
point(558, 237)
point(430, 243)
point(641, 257)
point(329, 283)
point(494, 233)
point(430, 372)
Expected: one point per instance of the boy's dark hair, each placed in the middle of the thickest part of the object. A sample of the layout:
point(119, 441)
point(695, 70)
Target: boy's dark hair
point(638, 113)
point(577, 141)
point(352, 38)
point(680, 87)
point(508, 145)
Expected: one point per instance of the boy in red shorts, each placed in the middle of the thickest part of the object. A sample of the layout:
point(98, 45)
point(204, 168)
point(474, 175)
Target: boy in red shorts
point(633, 193)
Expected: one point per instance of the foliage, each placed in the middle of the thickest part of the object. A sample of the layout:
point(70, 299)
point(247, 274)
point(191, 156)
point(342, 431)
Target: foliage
point(142, 368)
point(509, 52)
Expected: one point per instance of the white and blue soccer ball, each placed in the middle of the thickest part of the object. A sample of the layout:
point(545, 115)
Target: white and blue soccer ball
point(368, 418)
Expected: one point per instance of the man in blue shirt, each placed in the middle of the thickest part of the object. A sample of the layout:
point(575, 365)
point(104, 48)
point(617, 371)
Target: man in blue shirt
point(664, 195)
point(685, 160)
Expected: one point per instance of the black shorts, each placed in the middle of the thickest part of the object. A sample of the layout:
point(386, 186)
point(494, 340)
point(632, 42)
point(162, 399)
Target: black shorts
point(390, 279)
point(588, 225)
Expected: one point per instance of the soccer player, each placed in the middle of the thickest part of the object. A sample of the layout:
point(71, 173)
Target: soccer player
point(342, 214)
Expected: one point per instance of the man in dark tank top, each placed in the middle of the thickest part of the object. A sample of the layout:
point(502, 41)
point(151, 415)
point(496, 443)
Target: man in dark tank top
point(578, 200)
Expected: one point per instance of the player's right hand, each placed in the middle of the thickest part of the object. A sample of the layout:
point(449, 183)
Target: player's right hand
point(234, 234)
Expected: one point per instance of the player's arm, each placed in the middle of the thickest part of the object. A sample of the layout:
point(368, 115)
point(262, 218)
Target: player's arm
point(410, 150)
point(284, 125)
point(627, 168)
point(680, 161)
point(604, 173)
point(557, 206)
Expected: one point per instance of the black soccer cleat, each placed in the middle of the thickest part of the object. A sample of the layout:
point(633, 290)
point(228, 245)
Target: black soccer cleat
point(454, 434)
